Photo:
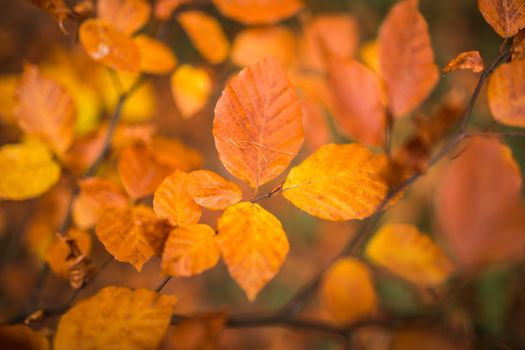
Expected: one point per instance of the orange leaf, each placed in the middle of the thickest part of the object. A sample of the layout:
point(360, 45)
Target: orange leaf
point(479, 205)
point(506, 89)
point(139, 171)
point(116, 318)
point(96, 195)
point(164, 8)
point(348, 292)
point(316, 129)
point(357, 91)
point(172, 201)
point(406, 58)
point(45, 109)
point(405, 251)
point(258, 123)
point(127, 16)
point(254, 44)
point(466, 60)
point(253, 245)
point(131, 235)
point(175, 154)
point(106, 45)
point(190, 87)
point(190, 250)
point(58, 252)
point(206, 35)
point(338, 182)
point(155, 56)
point(257, 11)
point(22, 337)
point(506, 17)
point(211, 191)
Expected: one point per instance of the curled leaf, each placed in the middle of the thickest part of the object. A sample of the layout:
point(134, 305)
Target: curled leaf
point(58, 253)
point(466, 60)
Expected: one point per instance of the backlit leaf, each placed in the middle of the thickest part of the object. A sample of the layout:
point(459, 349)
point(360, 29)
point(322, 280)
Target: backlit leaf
point(258, 123)
point(206, 35)
point(116, 318)
point(253, 245)
point(58, 252)
point(172, 201)
point(406, 58)
point(405, 251)
point(466, 60)
point(506, 89)
point(155, 56)
point(190, 87)
point(23, 338)
point(175, 154)
point(211, 191)
point(258, 11)
point(507, 17)
point(106, 45)
point(254, 44)
point(357, 91)
point(190, 250)
point(338, 182)
point(45, 109)
point(127, 16)
point(348, 292)
point(131, 235)
point(479, 207)
point(28, 170)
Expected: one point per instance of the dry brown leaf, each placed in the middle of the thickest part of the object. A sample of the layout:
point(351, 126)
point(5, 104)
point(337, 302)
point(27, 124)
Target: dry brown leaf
point(507, 17)
point(58, 253)
point(211, 191)
point(127, 16)
point(466, 60)
point(258, 11)
point(506, 93)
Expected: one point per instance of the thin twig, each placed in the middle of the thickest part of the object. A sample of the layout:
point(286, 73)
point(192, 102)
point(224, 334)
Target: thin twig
point(163, 284)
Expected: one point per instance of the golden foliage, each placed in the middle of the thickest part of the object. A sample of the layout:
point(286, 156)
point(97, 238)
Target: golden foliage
point(211, 191)
point(506, 89)
point(190, 87)
point(507, 17)
point(155, 56)
point(127, 16)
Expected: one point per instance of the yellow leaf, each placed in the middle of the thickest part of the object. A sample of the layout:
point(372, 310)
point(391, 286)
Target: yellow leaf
point(211, 191)
point(338, 182)
point(116, 318)
point(57, 253)
point(155, 56)
point(131, 235)
point(507, 17)
point(406, 58)
point(45, 109)
point(405, 251)
point(28, 170)
point(106, 45)
point(253, 245)
point(348, 292)
point(257, 11)
point(21, 337)
point(190, 250)
point(172, 201)
point(190, 87)
point(505, 93)
point(126, 16)
point(206, 35)
point(258, 123)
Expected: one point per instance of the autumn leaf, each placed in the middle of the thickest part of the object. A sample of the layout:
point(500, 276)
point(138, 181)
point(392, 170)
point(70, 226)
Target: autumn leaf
point(206, 35)
point(155, 56)
point(506, 17)
point(172, 201)
point(28, 170)
point(96, 195)
point(211, 191)
point(45, 109)
point(131, 235)
point(258, 12)
point(258, 123)
point(338, 182)
point(190, 87)
point(175, 154)
point(479, 207)
point(106, 45)
point(101, 321)
point(23, 338)
point(405, 251)
point(406, 58)
point(254, 44)
point(470, 60)
point(57, 8)
point(127, 16)
point(506, 88)
point(164, 8)
point(357, 92)
point(59, 251)
point(348, 292)
point(190, 250)
point(316, 128)
point(253, 245)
